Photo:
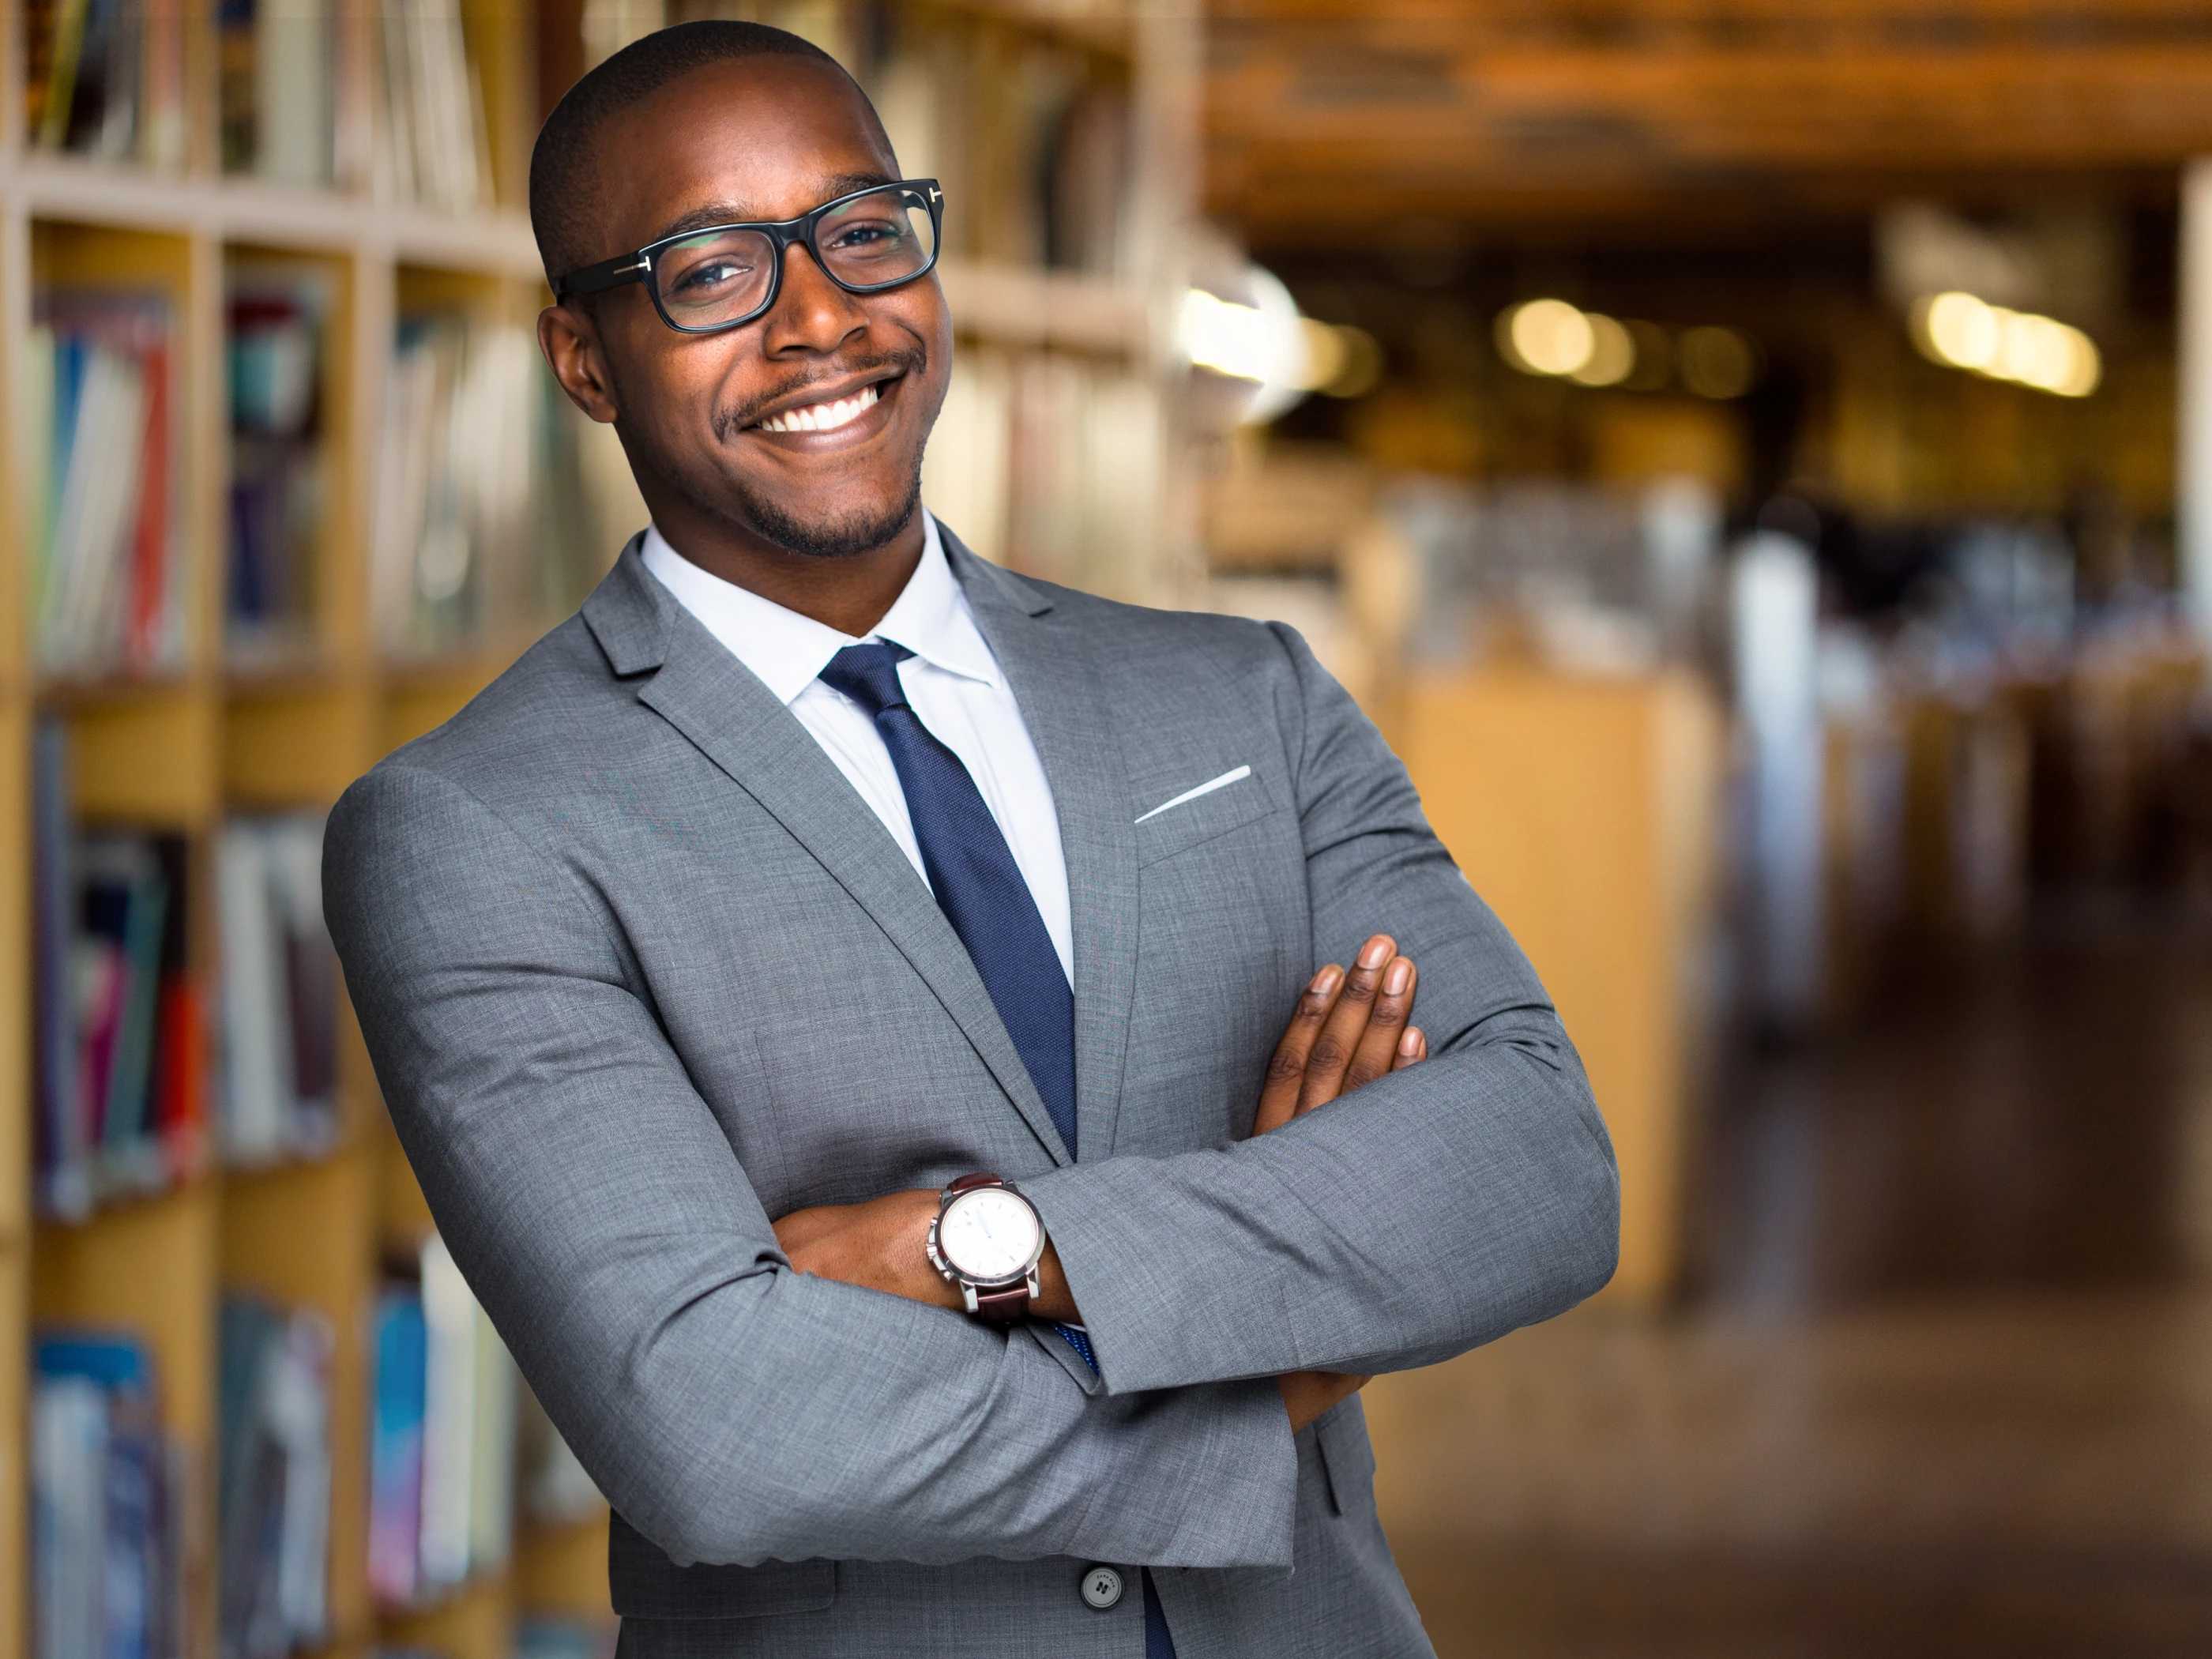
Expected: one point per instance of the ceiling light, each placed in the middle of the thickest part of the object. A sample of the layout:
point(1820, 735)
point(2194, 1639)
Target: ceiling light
point(1269, 343)
point(1960, 331)
point(1545, 336)
point(1228, 338)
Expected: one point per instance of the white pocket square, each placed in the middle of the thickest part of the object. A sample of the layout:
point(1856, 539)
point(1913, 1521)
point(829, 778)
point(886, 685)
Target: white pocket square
point(1205, 789)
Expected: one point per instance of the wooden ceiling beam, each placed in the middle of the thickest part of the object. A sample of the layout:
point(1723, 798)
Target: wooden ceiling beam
point(1506, 100)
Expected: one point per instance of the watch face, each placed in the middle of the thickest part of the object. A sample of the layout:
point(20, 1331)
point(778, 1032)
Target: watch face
point(990, 1235)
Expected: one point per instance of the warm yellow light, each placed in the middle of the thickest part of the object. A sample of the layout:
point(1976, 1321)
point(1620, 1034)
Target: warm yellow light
point(1325, 352)
point(1360, 364)
point(1613, 353)
point(1962, 331)
point(1548, 337)
point(2088, 368)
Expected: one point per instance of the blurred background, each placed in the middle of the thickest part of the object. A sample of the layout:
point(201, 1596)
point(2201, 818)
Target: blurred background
point(1754, 462)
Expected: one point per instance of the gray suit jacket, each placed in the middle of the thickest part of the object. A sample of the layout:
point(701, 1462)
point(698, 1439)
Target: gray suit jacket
point(639, 972)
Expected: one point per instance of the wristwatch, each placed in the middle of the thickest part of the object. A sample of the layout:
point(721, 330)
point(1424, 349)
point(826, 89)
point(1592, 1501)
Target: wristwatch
point(988, 1239)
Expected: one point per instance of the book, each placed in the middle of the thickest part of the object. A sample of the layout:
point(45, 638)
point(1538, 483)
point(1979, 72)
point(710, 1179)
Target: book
point(279, 990)
point(466, 444)
point(105, 78)
point(431, 145)
point(443, 1436)
point(276, 494)
point(273, 1493)
point(120, 1105)
point(105, 1549)
point(61, 1149)
point(294, 64)
point(276, 71)
point(395, 1452)
point(1087, 452)
point(126, 903)
point(101, 508)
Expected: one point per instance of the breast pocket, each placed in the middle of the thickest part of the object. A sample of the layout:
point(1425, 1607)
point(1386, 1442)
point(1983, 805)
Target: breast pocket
point(1201, 811)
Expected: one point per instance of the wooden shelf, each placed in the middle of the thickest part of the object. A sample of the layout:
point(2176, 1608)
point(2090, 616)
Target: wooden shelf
point(1012, 304)
point(561, 1571)
point(73, 189)
point(225, 731)
point(475, 1620)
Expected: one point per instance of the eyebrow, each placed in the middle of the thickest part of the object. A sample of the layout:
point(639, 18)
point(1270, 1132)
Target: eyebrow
point(737, 213)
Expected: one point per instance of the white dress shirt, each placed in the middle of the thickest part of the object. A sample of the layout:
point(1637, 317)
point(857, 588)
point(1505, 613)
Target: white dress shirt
point(952, 682)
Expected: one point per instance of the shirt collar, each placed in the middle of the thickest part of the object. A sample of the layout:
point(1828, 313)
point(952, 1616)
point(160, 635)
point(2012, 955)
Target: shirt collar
point(786, 651)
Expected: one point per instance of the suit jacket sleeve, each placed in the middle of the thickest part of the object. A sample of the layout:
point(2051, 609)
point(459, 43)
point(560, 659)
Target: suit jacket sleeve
point(1435, 1209)
point(733, 1411)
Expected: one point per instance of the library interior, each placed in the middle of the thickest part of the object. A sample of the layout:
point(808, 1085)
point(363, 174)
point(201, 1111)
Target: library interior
point(1752, 458)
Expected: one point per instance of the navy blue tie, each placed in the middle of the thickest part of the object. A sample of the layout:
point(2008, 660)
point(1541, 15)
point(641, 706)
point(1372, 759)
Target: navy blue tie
point(980, 890)
point(977, 883)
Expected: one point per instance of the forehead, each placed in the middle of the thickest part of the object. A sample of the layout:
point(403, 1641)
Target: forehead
point(763, 137)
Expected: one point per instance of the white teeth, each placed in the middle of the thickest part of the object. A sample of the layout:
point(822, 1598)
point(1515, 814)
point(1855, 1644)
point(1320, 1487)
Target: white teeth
point(823, 417)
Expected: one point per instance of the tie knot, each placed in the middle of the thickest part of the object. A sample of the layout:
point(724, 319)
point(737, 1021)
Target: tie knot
point(868, 674)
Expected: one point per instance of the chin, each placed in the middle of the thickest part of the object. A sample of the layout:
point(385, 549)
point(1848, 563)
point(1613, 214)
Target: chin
point(816, 530)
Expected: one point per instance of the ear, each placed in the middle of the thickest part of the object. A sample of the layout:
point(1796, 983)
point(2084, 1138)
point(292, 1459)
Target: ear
point(569, 337)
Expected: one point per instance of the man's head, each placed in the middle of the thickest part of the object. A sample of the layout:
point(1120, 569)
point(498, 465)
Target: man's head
point(709, 124)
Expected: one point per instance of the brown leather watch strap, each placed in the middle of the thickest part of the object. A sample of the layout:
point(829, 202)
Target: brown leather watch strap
point(1006, 1307)
point(982, 1178)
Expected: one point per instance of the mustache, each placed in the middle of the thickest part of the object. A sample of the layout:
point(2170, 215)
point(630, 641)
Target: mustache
point(910, 361)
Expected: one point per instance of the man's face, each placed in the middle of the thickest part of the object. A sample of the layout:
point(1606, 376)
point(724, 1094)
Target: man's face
point(755, 138)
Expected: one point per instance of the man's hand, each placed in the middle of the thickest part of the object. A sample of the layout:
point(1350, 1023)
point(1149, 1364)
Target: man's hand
point(1348, 1030)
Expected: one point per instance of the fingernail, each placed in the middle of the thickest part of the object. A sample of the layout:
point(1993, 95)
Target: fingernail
point(1324, 982)
point(1400, 976)
point(1375, 953)
point(1410, 1044)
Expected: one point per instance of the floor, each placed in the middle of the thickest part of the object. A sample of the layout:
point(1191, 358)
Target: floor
point(1944, 1382)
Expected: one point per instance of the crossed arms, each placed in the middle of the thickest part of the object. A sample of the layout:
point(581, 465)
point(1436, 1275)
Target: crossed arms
point(735, 1411)
point(1351, 1026)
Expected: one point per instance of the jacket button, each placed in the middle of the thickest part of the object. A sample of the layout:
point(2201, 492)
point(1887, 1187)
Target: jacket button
point(1102, 1587)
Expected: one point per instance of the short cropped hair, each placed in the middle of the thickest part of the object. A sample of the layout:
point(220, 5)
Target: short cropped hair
point(565, 206)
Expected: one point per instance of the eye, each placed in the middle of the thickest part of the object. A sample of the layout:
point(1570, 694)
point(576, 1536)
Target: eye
point(867, 237)
point(708, 275)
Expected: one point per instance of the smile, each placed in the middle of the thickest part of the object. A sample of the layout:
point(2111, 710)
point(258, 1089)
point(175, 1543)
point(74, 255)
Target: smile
point(823, 417)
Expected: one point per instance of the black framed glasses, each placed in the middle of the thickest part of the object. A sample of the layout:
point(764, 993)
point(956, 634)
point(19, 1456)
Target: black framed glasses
point(705, 280)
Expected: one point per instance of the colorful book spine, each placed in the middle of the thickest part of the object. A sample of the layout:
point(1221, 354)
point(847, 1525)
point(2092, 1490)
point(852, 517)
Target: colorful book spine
point(101, 508)
point(395, 1452)
point(121, 1050)
point(105, 1549)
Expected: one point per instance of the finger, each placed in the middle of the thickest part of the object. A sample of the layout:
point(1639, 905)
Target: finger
point(1346, 1025)
point(1286, 1070)
point(1413, 1049)
point(1386, 1021)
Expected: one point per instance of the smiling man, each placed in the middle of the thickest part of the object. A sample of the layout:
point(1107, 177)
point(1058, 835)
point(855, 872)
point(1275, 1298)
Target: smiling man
point(834, 991)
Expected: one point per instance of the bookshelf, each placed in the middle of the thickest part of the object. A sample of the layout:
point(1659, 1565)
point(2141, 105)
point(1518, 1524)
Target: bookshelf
point(206, 728)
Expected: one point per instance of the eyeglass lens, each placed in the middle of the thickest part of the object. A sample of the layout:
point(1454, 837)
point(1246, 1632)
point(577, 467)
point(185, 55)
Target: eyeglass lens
point(721, 276)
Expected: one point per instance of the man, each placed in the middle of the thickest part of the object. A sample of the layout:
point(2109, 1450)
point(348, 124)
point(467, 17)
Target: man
point(818, 868)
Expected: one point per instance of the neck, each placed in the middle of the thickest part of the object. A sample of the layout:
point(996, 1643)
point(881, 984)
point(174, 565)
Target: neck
point(851, 593)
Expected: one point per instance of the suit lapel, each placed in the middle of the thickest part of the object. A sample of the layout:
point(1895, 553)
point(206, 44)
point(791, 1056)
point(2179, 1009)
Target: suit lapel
point(1047, 660)
point(738, 723)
